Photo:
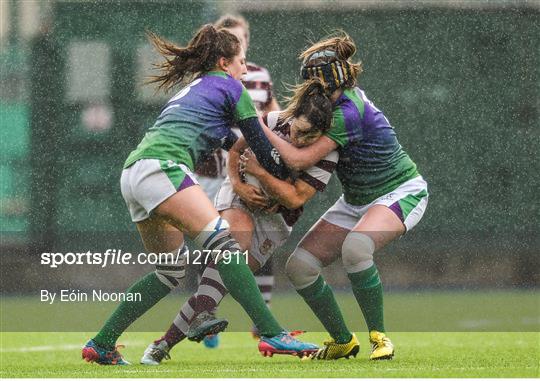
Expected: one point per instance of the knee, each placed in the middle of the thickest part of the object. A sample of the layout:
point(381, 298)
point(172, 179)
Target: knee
point(171, 269)
point(357, 252)
point(302, 268)
point(216, 237)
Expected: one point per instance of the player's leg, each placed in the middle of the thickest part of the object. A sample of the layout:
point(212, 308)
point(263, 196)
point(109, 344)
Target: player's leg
point(271, 232)
point(383, 221)
point(196, 318)
point(209, 174)
point(191, 210)
point(158, 237)
point(145, 185)
point(319, 248)
point(211, 286)
point(211, 289)
point(212, 340)
point(159, 349)
point(265, 281)
point(376, 228)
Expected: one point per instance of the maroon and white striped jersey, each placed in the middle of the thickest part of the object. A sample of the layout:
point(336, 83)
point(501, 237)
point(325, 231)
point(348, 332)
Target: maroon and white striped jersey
point(317, 176)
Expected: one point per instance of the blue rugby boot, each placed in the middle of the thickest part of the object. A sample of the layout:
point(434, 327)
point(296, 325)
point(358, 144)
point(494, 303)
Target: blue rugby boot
point(285, 344)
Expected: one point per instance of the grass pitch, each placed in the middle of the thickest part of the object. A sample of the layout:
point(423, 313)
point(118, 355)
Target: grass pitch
point(449, 354)
point(435, 344)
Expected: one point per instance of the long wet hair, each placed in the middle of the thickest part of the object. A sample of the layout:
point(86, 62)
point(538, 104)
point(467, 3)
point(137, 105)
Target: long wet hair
point(310, 100)
point(201, 55)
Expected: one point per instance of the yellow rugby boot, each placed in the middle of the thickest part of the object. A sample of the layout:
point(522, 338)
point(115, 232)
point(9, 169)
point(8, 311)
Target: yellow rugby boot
point(381, 346)
point(334, 351)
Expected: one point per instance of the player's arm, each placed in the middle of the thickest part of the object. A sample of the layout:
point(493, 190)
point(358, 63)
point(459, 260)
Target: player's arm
point(251, 195)
point(301, 158)
point(267, 155)
point(247, 120)
point(291, 196)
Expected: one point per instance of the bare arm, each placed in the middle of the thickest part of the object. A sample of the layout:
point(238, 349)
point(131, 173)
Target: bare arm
point(251, 195)
point(291, 196)
point(301, 158)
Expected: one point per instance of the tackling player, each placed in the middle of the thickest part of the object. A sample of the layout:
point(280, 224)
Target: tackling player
point(163, 196)
point(384, 196)
point(262, 231)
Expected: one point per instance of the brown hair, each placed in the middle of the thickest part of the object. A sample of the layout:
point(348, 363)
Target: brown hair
point(232, 21)
point(199, 56)
point(344, 47)
point(310, 100)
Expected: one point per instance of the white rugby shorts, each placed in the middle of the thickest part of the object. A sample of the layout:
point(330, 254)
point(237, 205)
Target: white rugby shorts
point(408, 202)
point(271, 230)
point(149, 182)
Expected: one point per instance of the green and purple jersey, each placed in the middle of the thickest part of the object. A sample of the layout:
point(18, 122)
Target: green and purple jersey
point(196, 121)
point(371, 163)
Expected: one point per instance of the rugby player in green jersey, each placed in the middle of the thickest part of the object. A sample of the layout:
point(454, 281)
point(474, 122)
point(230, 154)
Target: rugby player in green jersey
point(384, 196)
point(163, 196)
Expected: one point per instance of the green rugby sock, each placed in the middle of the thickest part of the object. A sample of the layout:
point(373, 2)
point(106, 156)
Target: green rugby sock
point(240, 282)
point(367, 289)
point(151, 289)
point(321, 300)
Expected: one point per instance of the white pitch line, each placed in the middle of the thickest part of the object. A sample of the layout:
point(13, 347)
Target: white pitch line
point(479, 323)
point(61, 347)
point(43, 348)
